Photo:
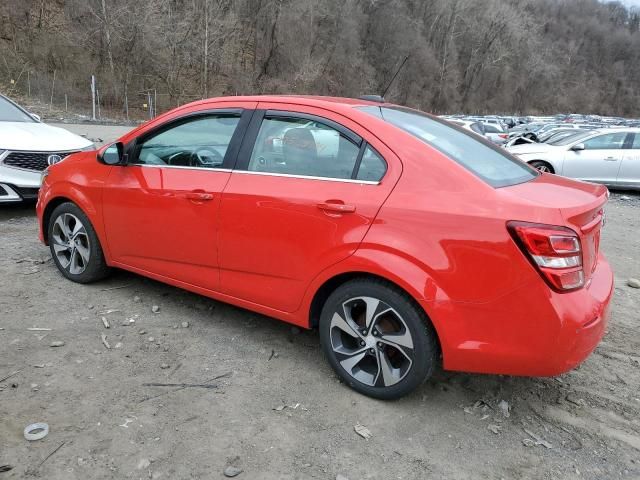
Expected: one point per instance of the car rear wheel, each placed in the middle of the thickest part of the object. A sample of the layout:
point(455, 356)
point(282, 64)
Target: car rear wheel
point(74, 245)
point(542, 166)
point(377, 339)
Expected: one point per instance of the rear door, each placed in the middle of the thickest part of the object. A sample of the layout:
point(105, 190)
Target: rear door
point(161, 209)
point(599, 161)
point(307, 187)
point(629, 174)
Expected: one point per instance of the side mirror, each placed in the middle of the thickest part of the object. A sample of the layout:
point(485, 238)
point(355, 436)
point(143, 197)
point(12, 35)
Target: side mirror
point(35, 117)
point(113, 155)
point(577, 147)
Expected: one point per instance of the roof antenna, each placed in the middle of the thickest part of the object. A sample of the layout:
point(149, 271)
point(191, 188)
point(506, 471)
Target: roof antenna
point(395, 75)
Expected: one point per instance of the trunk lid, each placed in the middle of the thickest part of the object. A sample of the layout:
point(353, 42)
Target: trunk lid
point(580, 206)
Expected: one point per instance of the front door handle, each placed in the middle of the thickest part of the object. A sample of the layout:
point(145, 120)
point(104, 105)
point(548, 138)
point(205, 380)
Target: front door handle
point(199, 196)
point(611, 159)
point(336, 207)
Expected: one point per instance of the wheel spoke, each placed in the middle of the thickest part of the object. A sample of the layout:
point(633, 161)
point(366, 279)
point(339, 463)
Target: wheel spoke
point(84, 253)
point(390, 375)
point(403, 339)
point(338, 322)
point(59, 230)
point(68, 231)
point(372, 306)
point(76, 265)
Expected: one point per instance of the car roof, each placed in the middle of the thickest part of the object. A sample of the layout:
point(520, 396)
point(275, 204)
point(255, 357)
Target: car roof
point(309, 100)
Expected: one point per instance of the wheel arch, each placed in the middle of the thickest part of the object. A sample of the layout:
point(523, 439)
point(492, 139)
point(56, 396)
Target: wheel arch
point(546, 162)
point(73, 195)
point(322, 293)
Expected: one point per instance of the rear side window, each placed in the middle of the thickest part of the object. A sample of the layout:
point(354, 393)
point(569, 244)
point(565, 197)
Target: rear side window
point(636, 141)
point(372, 167)
point(488, 163)
point(299, 146)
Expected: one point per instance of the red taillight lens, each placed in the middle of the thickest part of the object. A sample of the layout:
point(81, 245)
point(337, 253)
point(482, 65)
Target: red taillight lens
point(503, 135)
point(555, 251)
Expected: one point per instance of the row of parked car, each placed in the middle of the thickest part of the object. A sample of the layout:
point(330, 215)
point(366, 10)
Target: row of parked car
point(598, 149)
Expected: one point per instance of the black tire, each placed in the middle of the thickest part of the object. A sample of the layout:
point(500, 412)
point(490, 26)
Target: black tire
point(92, 270)
point(423, 338)
point(542, 166)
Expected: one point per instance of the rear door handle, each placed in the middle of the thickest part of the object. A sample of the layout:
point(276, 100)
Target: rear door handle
point(611, 159)
point(199, 196)
point(336, 207)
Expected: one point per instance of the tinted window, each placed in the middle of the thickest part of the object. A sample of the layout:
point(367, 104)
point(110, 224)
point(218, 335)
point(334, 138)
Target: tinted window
point(492, 129)
point(571, 138)
point(635, 144)
point(608, 141)
point(298, 146)
point(372, 167)
point(490, 164)
point(10, 113)
point(200, 142)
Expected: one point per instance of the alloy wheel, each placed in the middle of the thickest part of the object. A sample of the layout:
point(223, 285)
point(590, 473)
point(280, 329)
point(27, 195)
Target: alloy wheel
point(71, 243)
point(543, 168)
point(371, 342)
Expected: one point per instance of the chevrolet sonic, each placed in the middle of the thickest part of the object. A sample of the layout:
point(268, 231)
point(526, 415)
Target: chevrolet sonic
point(407, 241)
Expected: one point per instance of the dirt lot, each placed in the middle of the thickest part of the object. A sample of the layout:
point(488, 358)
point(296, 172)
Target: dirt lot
point(107, 422)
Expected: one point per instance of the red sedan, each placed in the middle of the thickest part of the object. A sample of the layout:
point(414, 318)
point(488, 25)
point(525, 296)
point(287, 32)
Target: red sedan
point(404, 239)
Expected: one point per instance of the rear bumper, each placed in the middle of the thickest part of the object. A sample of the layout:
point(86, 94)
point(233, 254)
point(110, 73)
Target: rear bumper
point(531, 332)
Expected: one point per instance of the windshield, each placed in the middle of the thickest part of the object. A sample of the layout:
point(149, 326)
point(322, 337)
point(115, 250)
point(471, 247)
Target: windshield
point(570, 139)
point(487, 162)
point(10, 112)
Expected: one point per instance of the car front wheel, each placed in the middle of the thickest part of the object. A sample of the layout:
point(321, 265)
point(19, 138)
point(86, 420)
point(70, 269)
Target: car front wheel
point(377, 339)
point(74, 245)
point(542, 166)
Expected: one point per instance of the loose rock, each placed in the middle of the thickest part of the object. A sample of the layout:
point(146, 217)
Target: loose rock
point(164, 366)
point(155, 309)
point(185, 324)
point(363, 431)
point(151, 339)
point(494, 428)
point(57, 343)
point(633, 283)
point(504, 408)
point(232, 471)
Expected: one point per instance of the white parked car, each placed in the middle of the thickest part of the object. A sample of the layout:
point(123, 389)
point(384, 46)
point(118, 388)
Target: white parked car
point(609, 156)
point(27, 147)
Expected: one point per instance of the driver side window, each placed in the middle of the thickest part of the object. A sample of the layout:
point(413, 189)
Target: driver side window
point(200, 142)
point(609, 141)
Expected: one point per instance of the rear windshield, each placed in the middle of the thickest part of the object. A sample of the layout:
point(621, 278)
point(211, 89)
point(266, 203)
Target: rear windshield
point(11, 113)
point(488, 163)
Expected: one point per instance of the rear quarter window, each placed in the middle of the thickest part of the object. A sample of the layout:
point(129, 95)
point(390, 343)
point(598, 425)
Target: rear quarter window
point(486, 162)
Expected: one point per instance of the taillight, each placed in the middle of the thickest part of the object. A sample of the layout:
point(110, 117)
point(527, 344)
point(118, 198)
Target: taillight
point(555, 251)
point(503, 135)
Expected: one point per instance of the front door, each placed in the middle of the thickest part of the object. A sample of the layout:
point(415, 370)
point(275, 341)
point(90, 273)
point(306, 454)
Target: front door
point(629, 174)
point(599, 161)
point(305, 192)
point(161, 209)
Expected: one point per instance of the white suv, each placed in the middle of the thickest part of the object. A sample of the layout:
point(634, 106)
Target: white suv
point(27, 147)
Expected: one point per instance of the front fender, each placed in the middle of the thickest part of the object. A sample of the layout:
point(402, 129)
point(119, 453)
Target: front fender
point(86, 199)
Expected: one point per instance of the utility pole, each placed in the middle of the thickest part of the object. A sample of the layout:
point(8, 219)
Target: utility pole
point(93, 96)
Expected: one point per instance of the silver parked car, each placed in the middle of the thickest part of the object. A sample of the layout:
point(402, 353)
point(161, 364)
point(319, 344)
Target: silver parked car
point(609, 156)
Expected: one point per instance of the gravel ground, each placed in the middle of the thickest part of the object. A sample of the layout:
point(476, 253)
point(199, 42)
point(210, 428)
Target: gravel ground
point(275, 409)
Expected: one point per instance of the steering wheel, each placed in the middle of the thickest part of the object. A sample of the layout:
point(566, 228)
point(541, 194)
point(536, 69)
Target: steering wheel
point(206, 157)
